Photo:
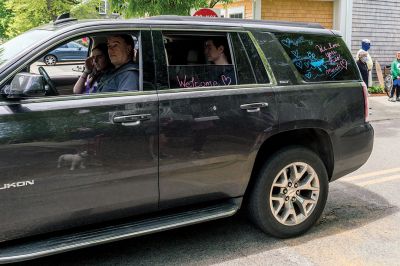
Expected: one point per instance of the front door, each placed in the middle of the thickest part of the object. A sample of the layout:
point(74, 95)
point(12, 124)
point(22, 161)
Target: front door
point(68, 161)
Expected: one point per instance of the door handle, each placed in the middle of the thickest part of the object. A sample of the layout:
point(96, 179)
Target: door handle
point(253, 107)
point(131, 120)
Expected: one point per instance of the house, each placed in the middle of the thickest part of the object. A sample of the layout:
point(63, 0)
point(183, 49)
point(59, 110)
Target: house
point(377, 20)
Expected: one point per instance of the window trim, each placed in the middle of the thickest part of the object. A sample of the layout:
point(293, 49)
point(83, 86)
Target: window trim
point(60, 38)
point(272, 79)
point(66, 38)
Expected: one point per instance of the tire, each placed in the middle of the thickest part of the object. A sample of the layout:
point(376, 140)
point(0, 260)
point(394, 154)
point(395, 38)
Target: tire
point(268, 205)
point(50, 60)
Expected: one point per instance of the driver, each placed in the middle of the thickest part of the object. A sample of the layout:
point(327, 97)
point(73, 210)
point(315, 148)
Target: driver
point(125, 75)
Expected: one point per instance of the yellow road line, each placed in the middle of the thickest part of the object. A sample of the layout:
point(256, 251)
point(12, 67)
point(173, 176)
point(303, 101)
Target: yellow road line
point(380, 180)
point(376, 173)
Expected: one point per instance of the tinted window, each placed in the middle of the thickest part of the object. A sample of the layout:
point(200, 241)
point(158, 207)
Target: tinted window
point(252, 53)
point(148, 60)
point(193, 60)
point(18, 44)
point(274, 53)
point(319, 58)
point(161, 65)
point(244, 68)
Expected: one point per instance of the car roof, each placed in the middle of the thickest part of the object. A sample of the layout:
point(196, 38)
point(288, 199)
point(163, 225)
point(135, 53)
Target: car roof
point(188, 21)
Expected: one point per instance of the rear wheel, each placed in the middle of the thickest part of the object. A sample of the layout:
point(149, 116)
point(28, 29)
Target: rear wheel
point(50, 60)
point(290, 192)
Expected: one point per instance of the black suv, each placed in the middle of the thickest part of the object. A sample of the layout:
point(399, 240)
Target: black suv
point(194, 141)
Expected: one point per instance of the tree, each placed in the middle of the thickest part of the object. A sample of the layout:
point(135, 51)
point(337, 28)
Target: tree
point(86, 10)
point(29, 14)
point(5, 16)
point(132, 8)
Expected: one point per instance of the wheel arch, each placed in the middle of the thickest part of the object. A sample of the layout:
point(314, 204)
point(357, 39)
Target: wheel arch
point(317, 140)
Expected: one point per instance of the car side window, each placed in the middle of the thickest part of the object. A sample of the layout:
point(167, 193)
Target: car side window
point(102, 74)
point(198, 60)
point(244, 68)
point(254, 57)
point(319, 58)
point(64, 60)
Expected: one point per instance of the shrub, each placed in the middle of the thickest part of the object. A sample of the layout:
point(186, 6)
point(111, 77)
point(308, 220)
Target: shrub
point(375, 89)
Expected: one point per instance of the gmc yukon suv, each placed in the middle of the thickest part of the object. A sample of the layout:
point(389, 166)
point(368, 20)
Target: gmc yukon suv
point(194, 141)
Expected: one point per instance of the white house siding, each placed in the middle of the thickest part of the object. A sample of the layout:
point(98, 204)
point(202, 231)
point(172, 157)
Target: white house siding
point(379, 21)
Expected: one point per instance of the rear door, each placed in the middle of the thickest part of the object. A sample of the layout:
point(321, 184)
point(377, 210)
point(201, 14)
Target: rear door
point(211, 124)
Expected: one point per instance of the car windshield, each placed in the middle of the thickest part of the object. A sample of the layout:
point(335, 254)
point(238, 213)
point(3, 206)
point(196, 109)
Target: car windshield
point(18, 44)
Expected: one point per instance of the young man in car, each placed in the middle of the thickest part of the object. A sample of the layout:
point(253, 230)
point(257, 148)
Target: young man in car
point(125, 75)
point(216, 50)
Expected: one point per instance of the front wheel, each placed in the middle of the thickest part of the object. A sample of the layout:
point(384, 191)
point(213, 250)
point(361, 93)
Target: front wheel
point(290, 192)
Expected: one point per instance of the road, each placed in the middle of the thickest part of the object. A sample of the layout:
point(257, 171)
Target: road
point(360, 224)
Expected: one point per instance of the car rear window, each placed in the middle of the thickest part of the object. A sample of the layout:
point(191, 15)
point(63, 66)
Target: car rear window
point(319, 58)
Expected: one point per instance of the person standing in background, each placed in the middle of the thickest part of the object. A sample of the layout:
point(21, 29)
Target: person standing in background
point(395, 69)
point(365, 46)
point(362, 65)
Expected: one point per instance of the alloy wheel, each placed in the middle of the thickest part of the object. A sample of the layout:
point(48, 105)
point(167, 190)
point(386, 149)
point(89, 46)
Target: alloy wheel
point(294, 193)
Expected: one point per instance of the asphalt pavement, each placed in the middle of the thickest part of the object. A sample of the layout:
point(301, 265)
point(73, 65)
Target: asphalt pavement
point(382, 109)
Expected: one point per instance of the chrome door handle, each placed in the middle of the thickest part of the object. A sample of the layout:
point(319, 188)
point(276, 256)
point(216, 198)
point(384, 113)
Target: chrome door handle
point(253, 107)
point(131, 120)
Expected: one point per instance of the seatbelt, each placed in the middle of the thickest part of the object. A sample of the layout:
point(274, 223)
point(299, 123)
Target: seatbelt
point(113, 75)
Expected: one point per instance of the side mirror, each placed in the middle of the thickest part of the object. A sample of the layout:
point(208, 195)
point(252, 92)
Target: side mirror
point(25, 85)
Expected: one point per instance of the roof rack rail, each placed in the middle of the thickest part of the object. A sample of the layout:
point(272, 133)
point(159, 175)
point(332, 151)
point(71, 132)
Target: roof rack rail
point(63, 18)
point(236, 20)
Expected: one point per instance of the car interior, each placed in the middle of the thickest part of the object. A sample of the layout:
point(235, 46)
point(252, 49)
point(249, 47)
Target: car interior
point(65, 74)
point(188, 65)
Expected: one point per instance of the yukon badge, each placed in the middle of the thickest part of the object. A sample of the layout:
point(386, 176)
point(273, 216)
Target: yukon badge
point(17, 184)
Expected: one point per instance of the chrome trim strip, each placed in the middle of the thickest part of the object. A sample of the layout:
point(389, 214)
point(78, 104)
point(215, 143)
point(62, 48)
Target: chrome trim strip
point(192, 217)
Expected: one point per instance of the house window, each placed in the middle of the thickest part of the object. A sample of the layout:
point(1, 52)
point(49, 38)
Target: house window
point(236, 15)
point(223, 13)
point(103, 7)
point(236, 12)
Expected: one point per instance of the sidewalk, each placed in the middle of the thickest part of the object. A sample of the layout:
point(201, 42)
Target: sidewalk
point(382, 109)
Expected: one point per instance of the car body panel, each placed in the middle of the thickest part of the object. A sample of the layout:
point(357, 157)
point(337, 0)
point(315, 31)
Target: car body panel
point(194, 145)
point(209, 142)
point(119, 177)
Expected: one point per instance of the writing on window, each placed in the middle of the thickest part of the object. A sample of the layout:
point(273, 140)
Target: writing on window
point(319, 58)
point(199, 61)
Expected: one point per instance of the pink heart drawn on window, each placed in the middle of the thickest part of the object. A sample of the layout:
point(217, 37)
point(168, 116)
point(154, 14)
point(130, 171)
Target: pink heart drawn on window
point(226, 80)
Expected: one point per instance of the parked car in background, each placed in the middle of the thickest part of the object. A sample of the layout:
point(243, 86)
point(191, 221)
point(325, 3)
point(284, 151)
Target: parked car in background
point(266, 131)
point(71, 51)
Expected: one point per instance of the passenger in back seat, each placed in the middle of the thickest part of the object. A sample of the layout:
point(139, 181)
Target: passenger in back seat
point(214, 49)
